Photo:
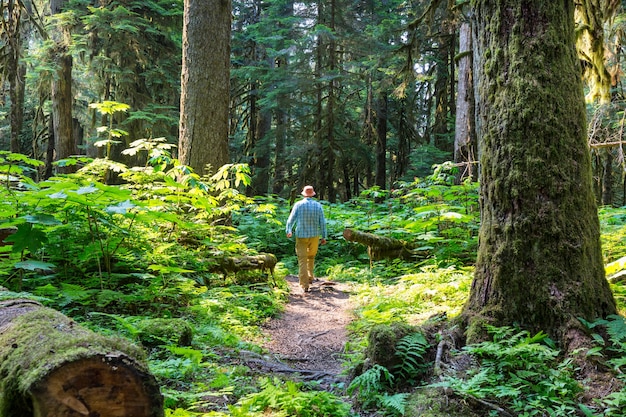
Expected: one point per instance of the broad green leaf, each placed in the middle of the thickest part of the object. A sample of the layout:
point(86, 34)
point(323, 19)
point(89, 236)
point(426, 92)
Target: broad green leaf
point(45, 219)
point(32, 265)
point(60, 195)
point(27, 237)
point(121, 208)
point(86, 190)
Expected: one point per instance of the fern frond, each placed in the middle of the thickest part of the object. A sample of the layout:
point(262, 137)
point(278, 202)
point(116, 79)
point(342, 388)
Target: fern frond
point(371, 382)
point(410, 350)
point(394, 405)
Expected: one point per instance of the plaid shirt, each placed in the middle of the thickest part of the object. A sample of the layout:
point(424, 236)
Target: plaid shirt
point(308, 217)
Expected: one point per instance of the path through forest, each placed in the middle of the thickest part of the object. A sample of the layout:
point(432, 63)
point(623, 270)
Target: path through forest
point(309, 337)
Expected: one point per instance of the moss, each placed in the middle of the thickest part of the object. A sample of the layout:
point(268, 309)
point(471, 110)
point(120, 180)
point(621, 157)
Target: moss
point(154, 332)
point(432, 402)
point(382, 340)
point(539, 261)
point(37, 342)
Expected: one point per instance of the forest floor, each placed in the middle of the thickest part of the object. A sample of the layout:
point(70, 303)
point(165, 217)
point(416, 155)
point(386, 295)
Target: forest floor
point(309, 337)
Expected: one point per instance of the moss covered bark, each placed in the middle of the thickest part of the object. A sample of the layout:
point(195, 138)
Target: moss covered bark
point(51, 366)
point(539, 260)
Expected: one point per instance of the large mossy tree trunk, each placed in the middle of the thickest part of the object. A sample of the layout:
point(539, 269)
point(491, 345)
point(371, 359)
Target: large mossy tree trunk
point(539, 260)
point(51, 367)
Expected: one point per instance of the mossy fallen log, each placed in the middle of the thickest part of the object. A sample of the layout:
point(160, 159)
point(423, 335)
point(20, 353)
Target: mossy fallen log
point(381, 247)
point(234, 264)
point(50, 366)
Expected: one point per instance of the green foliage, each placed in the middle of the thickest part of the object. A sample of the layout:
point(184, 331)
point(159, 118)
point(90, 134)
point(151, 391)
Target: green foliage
point(521, 372)
point(288, 398)
point(113, 256)
point(410, 350)
point(372, 391)
point(611, 348)
point(612, 222)
point(370, 383)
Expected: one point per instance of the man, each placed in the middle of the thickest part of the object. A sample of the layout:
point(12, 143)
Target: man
point(307, 215)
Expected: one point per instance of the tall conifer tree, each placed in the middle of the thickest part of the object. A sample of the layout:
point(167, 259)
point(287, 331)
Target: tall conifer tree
point(539, 259)
point(205, 81)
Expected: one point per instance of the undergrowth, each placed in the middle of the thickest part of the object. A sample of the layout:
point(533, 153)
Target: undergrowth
point(112, 256)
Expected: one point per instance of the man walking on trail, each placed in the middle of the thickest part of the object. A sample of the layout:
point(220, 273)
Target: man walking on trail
point(307, 215)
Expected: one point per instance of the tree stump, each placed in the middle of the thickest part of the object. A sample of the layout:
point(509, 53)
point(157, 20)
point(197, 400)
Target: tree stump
point(50, 366)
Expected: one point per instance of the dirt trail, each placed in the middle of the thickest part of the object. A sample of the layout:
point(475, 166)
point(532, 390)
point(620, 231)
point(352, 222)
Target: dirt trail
point(311, 333)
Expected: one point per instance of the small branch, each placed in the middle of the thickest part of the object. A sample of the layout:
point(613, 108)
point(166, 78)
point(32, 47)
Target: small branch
point(440, 347)
point(606, 144)
point(318, 334)
point(492, 406)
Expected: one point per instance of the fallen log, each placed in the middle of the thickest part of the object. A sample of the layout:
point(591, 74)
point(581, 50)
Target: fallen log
point(381, 247)
point(50, 367)
point(234, 264)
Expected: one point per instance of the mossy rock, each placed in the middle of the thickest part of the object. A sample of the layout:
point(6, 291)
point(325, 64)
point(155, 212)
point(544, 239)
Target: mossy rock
point(382, 341)
point(162, 331)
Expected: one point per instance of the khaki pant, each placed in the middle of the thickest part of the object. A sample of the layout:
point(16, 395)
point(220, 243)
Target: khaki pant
point(306, 249)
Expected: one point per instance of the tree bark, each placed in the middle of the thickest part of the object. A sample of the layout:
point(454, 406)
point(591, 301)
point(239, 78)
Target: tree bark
point(62, 110)
point(283, 110)
point(61, 95)
point(444, 84)
point(381, 141)
point(465, 152)
point(381, 247)
point(607, 178)
point(14, 28)
point(590, 16)
point(205, 84)
point(50, 366)
point(539, 259)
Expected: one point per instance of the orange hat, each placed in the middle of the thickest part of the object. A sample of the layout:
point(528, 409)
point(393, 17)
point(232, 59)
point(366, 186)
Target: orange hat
point(308, 191)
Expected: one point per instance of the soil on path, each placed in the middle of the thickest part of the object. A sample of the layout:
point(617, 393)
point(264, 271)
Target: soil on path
point(310, 335)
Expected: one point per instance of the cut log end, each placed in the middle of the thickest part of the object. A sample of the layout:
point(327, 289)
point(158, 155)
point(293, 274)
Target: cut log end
point(97, 386)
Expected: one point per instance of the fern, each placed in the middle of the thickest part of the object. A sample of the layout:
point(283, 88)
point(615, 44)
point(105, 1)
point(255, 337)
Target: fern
point(394, 405)
point(522, 372)
point(370, 384)
point(410, 350)
point(616, 330)
point(288, 399)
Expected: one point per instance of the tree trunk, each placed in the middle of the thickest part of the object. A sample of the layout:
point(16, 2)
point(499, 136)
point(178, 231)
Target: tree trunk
point(539, 259)
point(61, 95)
point(50, 366)
point(590, 16)
point(381, 141)
point(205, 84)
point(327, 48)
point(465, 151)
point(283, 110)
point(258, 144)
point(607, 178)
point(62, 111)
point(444, 85)
point(262, 150)
point(16, 71)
